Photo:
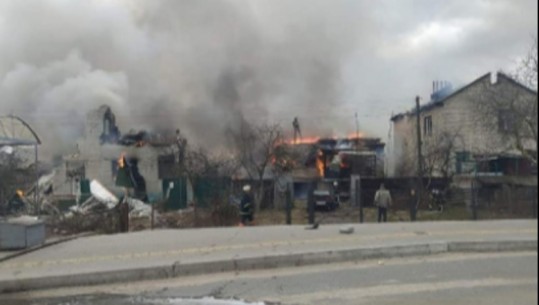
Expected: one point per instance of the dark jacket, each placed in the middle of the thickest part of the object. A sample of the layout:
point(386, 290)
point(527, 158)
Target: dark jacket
point(246, 205)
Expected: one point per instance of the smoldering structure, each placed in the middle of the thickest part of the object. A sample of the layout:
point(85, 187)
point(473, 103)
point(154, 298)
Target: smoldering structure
point(131, 160)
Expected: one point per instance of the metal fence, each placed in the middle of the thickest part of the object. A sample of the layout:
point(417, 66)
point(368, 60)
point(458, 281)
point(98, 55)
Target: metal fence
point(493, 201)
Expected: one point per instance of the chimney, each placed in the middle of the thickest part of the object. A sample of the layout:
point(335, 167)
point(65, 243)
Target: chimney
point(493, 77)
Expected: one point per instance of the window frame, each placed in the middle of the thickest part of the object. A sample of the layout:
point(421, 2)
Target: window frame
point(427, 125)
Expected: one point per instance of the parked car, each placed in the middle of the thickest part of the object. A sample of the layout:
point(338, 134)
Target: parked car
point(325, 200)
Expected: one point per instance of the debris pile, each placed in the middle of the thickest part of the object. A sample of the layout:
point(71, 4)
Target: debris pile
point(103, 199)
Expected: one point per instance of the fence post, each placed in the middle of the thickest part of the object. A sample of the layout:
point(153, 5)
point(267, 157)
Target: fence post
point(534, 203)
point(310, 204)
point(358, 199)
point(152, 216)
point(288, 204)
point(474, 200)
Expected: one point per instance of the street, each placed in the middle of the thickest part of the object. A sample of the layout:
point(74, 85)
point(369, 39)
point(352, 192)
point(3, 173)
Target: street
point(456, 278)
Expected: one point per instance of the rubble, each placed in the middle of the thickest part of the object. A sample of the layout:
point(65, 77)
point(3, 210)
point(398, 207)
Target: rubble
point(346, 230)
point(91, 204)
point(138, 208)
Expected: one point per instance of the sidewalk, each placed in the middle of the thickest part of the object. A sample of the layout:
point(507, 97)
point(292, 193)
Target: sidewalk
point(167, 253)
point(10, 254)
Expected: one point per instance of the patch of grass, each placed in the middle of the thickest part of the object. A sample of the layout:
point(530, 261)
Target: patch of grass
point(453, 213)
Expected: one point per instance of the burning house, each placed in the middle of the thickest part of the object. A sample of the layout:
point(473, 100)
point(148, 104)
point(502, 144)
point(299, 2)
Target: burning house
point(145, 162)
point(333, 161)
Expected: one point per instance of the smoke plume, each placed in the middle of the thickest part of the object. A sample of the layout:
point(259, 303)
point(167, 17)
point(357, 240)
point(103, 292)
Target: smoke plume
point(201, 66)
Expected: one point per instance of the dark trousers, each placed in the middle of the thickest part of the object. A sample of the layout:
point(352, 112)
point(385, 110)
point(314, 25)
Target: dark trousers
point(247, 218)
point(123, 214)
point(382, 214)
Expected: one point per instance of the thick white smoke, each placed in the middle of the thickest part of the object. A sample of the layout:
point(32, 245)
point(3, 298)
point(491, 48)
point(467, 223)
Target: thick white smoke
point(196, 65)
point(55, 97)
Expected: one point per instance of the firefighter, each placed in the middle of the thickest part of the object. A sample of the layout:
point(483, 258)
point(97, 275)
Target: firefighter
point(297, 130)
point(246, 207)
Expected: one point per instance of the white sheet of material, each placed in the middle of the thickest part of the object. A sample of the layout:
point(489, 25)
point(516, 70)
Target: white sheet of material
point(102, 194)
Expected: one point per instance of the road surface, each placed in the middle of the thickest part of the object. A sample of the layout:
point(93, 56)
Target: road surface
point(169, 253)
point(473, 278)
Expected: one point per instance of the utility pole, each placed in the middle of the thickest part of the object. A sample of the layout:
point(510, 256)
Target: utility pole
point(419, 188)
point(357, 182)
point(288, 202)
point(36, 190)
point(311, 203)
point(357, 126)
point(356, 148)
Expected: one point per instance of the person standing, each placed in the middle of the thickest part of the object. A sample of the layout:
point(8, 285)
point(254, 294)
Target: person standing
point(297, 130)
point(246, 207)
point(412, 203)
point(382, 199)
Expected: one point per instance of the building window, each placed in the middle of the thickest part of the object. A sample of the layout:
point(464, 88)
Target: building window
point(463, 159)
point(167, 167)
point(427, 126)
point(114, 168)
point(75, 169)
point(506, 121)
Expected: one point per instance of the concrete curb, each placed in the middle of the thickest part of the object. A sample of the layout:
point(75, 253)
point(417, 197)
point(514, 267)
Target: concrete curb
point(265, 262)
point(492, 246)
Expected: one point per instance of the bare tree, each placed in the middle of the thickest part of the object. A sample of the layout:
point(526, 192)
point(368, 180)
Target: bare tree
point(509, 108)
point(256, 148)
point(526, 72)
point(438, 155)
point(199, 163)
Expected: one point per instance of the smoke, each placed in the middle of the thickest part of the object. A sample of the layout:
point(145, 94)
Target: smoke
point(201, 66)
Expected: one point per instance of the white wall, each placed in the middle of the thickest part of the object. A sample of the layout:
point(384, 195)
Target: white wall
point(457, 115)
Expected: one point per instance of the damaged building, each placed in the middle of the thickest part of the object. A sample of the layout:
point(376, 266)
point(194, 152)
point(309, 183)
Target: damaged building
point(330, 163)
point(150, 162)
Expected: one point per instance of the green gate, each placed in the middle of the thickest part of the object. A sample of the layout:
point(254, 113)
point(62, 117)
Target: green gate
point(210, 188)
point(178, 193)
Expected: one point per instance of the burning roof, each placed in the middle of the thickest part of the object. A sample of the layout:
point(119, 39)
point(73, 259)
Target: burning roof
point(111, 134)
point(332, 155)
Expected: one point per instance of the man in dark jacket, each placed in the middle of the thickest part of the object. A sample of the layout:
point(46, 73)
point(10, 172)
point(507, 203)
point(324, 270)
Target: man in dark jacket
point(246, 207)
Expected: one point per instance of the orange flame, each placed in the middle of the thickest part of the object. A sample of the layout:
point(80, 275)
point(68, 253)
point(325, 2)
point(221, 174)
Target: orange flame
point(307, 140)
point(121, 161)
point(20, 193)
point(320, 163)
point(344, 162)
point(355, 135)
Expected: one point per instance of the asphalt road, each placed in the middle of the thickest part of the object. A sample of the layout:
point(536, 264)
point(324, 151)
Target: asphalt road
point(487, 278)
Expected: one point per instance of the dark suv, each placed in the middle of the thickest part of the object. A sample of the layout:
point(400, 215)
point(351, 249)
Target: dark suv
point(325, 200)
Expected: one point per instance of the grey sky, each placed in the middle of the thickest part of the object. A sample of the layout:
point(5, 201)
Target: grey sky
point(203, 65)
